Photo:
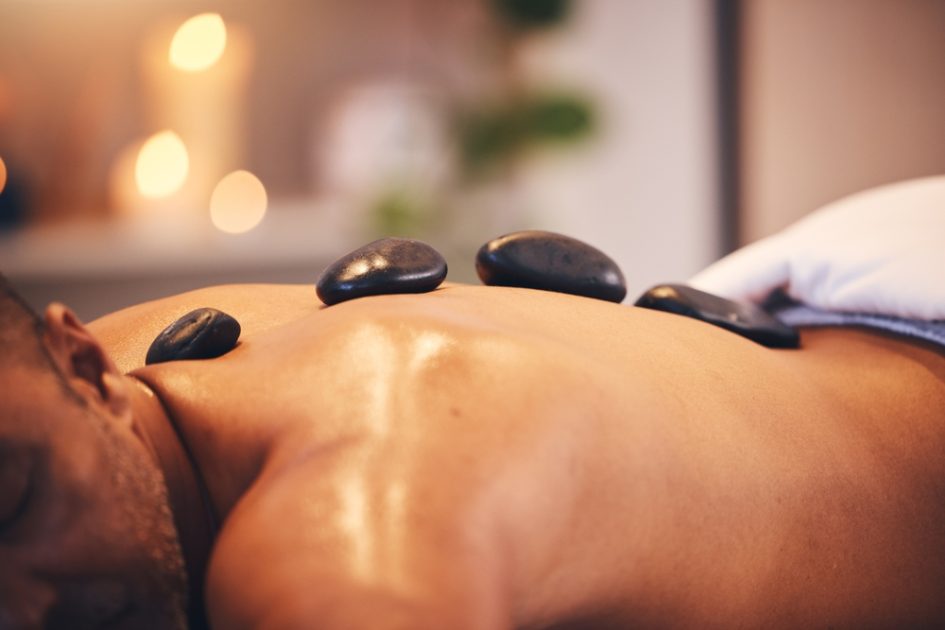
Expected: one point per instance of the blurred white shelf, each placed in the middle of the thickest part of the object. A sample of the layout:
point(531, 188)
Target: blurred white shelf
point(98, 267)
point(290, 235)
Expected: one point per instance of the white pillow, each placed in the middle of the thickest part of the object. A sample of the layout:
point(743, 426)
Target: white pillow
point(880, 251)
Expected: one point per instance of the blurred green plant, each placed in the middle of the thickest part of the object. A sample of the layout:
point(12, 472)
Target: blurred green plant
point(491, 137)
point(533, 13)
point(398, 212)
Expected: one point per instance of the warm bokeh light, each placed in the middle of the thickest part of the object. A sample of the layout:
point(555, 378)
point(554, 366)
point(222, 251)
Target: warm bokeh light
point(198, 43)
point(238, 203)
point(3, 175)
point(162, 165)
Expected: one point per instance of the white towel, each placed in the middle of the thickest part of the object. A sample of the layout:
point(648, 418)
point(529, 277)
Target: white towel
point(881, 251)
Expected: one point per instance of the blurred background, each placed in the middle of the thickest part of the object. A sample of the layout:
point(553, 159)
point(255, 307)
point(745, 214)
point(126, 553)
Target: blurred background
point(155, 146)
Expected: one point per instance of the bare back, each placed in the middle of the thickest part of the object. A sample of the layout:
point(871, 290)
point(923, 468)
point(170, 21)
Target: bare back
point(573, 459)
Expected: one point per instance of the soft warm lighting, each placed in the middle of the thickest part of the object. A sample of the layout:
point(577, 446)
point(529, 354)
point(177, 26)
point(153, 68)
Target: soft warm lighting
point(238, 203)
point(123, 193)
point(3, 175)
point(162, 165)
point(198, 43)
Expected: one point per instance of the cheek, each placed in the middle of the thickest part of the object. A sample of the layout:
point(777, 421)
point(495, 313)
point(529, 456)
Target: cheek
point(112, 506)
point(86, 519)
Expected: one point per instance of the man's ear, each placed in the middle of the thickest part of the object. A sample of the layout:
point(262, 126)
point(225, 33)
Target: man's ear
point(84, 362)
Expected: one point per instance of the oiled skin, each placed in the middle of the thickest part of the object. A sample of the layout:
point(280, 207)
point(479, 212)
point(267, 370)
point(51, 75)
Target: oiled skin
point(481, 457)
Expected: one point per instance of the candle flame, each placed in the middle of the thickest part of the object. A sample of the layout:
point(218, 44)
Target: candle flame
point(238, 203)
point(162, 165)
point(198, 43)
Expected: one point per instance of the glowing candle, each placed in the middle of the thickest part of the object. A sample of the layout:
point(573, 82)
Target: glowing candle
point(162, 165)
point(238, 203)
point(198, 43)
point(195, 76)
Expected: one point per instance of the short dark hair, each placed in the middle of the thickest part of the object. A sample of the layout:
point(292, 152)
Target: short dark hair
point(21, 338)
point(21, 329)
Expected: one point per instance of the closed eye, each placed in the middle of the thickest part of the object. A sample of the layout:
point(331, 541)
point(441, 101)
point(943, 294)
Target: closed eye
point(19, 481)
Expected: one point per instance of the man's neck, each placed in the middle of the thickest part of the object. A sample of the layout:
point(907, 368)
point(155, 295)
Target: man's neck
point(187, 492)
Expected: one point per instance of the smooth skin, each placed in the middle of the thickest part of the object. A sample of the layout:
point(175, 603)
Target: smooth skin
point(491, 458)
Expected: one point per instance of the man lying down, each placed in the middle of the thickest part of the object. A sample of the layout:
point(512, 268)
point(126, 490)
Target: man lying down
point(474, 457)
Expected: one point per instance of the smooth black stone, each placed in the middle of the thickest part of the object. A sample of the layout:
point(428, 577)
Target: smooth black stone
point(388, 265)
point(744, 319)
point(204, 333)
point(535, 259)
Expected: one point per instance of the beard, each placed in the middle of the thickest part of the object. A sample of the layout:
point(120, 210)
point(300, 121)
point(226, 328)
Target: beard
point(145, 507)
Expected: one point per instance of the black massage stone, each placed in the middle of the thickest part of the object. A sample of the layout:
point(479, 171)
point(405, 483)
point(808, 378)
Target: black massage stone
point(741, 318)
point(204, 333)
point(388, 265)
point(535, 259)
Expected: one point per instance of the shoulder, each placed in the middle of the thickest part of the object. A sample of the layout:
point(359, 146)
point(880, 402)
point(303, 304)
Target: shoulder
point(126, 334)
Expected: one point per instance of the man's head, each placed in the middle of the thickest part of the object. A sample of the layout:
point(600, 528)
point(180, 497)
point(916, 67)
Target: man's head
point(86, 536)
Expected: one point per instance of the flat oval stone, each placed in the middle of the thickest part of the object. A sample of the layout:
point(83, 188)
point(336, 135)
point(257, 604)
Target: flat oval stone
point(388, 265)
point(204, 333)
point(741, 318)
point(535, 259)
